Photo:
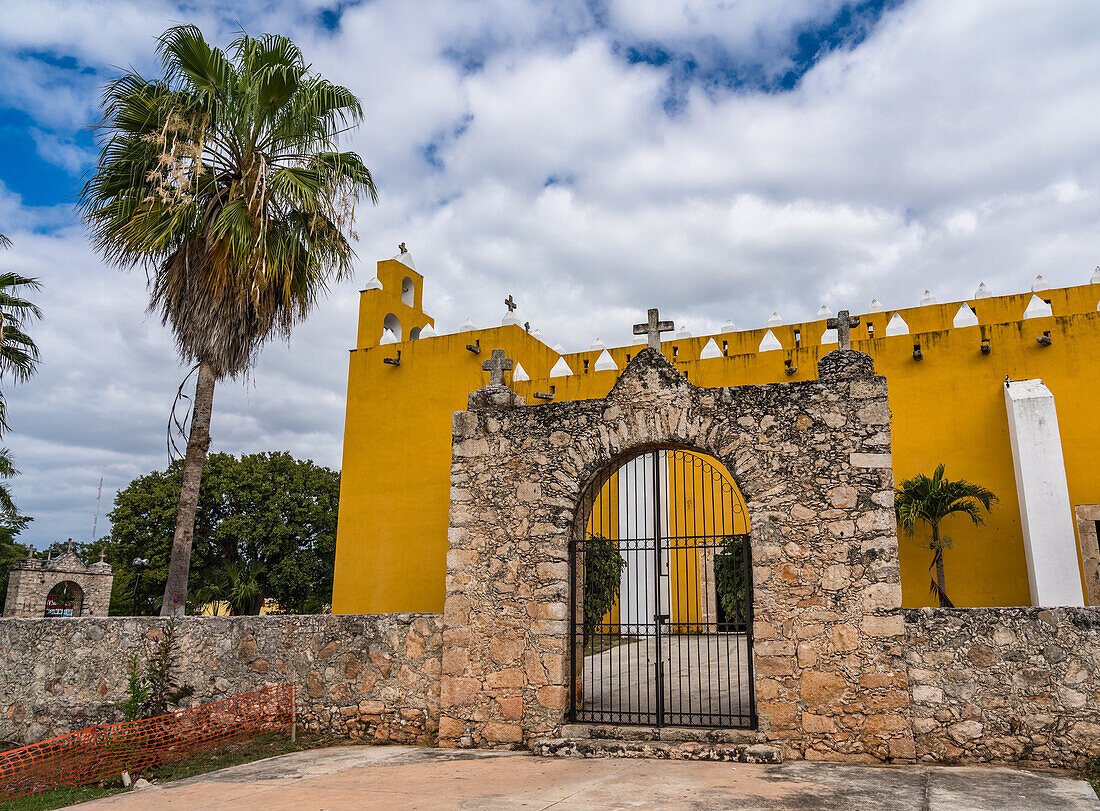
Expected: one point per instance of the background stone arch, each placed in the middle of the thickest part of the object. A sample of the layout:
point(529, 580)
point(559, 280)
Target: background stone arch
point(812, 462)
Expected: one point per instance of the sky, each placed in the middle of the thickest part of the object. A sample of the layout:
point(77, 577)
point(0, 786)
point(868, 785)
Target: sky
point(592, 158)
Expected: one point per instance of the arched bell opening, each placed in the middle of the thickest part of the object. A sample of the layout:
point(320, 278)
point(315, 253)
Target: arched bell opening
point(661, 595)
point(392, 323)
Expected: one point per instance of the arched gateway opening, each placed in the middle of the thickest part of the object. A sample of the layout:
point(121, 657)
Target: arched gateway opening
point(662, 595)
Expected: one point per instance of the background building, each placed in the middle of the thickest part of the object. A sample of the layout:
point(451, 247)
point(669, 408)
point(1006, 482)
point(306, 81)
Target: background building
point(946, 365)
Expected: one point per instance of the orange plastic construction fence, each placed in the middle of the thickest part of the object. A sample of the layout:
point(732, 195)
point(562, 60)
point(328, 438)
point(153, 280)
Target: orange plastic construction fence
point(102, 751)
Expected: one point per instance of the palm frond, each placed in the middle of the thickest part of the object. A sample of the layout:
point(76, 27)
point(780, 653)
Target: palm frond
point(224, 180)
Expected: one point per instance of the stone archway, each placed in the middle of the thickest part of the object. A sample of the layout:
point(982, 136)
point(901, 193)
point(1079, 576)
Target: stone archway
point(812, 460)
point(661, 595)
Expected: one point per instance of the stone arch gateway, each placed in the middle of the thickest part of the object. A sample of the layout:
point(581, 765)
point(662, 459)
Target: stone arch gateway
point(812, 460)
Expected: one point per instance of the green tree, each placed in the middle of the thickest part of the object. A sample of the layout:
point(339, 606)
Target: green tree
point(222, 178)
point(18, 352)
point(931, 500)
point(263, 520)
point(12, 523)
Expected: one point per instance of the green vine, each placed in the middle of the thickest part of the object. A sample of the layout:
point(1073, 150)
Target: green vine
point(603, 568)
point(729, 576)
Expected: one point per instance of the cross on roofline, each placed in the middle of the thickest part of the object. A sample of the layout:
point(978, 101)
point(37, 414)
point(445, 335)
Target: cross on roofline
point(402, 248)
point(509, 303)
point(496, 366)
point(653, 328)
point(843, 324)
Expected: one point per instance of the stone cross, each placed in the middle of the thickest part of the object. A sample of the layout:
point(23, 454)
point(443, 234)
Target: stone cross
point(509, 303)
point(402, 248)
point(843, 324)
point(495, 366)
point(653, 328)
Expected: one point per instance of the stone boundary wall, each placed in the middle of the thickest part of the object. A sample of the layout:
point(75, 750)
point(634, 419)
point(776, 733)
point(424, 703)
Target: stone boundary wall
point(1005, 685)
point(371, 676)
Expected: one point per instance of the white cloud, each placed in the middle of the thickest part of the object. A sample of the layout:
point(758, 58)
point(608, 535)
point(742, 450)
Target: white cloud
point(954, 144)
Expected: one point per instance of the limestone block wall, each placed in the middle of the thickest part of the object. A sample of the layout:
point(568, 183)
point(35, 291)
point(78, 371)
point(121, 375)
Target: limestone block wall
point(1005, 684)
point(363, 676)
point(812, 460)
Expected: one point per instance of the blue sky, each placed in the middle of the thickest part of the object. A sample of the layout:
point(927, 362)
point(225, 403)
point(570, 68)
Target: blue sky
point(717, 159)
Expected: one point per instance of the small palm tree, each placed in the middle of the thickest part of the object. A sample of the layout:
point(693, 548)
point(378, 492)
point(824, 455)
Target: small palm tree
point(11, 520)
point(931, 500)
point(236, 584)
point(222, 178)
point(18, 353)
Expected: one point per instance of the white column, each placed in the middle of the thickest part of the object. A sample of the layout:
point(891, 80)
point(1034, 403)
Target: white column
point(1045, 513)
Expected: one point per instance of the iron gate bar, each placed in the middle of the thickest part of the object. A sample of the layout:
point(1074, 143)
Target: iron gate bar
point(643, 661)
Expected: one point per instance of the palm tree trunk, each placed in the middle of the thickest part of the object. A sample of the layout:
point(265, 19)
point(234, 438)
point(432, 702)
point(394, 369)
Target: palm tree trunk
point(941, 586)
point(198, 444)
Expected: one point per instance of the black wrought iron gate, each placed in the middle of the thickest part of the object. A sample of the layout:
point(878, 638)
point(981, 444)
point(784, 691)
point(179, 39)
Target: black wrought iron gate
point(662, 597)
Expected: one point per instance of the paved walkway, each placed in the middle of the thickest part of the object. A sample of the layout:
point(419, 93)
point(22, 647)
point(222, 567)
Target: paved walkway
point(405, 777)
point(706, 681)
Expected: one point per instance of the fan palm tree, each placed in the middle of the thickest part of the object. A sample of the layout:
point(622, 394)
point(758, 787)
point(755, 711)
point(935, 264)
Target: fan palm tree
point(223, 180)
point(931, 500)
point(18, 353)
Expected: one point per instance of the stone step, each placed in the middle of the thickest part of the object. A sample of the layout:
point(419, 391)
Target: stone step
point(659, 749)
point(667, 734)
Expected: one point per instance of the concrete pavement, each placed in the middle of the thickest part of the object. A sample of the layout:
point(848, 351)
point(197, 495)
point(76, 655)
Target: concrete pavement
point(401, 777)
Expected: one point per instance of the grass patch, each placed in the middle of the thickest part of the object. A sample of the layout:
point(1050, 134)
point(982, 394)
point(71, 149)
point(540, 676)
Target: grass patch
point(1092, 774)
point(231, 754)
point(598, 643)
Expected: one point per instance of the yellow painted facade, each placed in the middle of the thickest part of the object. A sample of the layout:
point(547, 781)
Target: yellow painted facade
point(947, 407)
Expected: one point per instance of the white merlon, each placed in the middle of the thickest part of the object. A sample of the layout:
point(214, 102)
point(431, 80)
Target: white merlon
point(519, 374)
point(388, 337)
point(769, 343)
point(405, 259)
point(597, 344)
point(775, 320)
point(561, 369)
point(605, 363)
point(1037, 308)
point(927, 298)
point(983, 291)
point(1039, 284)
point(965, 317)
point(897, 325)
point(467, 326)
point(683, 333)
point(1050, 544)
point(876, 306)
point(730, 327)
point(824, 312)
point(538, 336)
point(830, 336)
point(373, 284)
point(428, 332)
point(711, 350)
point(558, 348)
point(509, 318)
point(1095, 276)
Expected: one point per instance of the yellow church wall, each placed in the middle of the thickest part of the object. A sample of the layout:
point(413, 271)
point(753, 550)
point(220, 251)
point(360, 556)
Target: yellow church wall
point(948, 407)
